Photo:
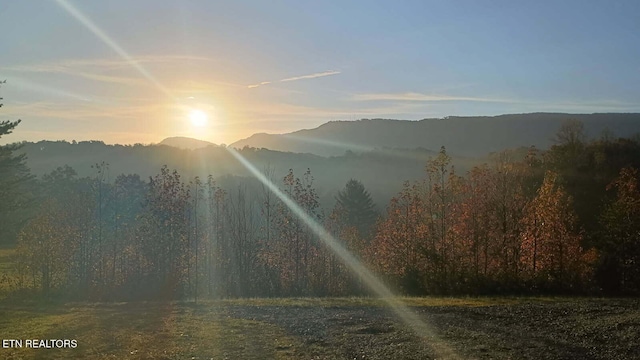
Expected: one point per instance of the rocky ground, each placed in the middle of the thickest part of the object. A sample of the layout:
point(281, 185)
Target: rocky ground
point(580, 329)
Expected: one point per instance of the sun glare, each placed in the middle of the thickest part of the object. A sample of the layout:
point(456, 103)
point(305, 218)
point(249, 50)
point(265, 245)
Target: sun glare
point(198, 118)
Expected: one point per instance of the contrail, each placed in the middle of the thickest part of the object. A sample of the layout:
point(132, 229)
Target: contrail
point(296, 78)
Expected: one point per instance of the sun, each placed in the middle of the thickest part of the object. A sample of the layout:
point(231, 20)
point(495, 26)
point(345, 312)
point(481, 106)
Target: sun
point(198, 118)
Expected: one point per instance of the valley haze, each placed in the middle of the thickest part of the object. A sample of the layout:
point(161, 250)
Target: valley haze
point(382, 153)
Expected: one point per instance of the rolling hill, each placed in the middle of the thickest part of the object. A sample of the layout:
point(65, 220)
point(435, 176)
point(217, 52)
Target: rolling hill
point(466, 136)
point(186, 143)
point(380, 153)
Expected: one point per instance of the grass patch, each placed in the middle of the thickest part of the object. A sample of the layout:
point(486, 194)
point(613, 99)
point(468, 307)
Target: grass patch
point(143, 331)
point(323, 328)
point(7, 257)
point(428, 301)
point(8, 275)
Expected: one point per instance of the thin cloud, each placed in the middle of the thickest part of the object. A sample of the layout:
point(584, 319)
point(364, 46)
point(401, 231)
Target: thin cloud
point(85, 112)
point(418, 97)
point(296, 78)
point(92, 69)
point(48, 90)
point(105, 64)
point(140, 60)
point(260, 84)
point(523, 105)
point(54, 69)
point(312, 76)
point(585, 107)
point(109, 78)
point(65, 70)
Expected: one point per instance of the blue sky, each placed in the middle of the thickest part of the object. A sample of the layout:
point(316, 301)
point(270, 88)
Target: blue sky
point(133, 71)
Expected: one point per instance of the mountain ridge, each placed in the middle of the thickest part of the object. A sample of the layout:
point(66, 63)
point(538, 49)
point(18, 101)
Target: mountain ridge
point(464, 135)
point(183, 142)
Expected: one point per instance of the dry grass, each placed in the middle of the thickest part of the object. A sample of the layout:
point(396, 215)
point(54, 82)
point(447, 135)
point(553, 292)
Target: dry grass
point(8, 275)
point(143, 331)
point(428, 301)
point(326, 328)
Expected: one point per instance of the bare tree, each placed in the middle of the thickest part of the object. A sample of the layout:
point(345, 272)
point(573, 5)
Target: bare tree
point(571, 133)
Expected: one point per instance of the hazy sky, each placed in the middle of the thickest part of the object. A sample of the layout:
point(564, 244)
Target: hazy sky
point(132, 71)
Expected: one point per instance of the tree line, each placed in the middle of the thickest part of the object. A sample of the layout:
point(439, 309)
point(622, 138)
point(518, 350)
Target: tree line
point(565, 220)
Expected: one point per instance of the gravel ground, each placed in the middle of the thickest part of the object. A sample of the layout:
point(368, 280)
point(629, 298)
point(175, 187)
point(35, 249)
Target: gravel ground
point(576, 329)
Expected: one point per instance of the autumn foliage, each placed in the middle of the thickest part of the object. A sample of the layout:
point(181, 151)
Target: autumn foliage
point(526, 222)
point(481, 233)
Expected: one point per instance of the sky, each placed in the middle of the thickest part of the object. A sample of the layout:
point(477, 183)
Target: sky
point(129, 72)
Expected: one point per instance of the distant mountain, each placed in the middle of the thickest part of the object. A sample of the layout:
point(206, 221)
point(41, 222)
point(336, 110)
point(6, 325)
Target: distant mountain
point(466, 136)
point(325, 150)
point(186, 143)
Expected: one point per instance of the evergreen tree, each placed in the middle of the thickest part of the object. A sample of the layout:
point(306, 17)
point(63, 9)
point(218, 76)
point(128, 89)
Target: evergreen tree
point(356, 206)
point(15, 181)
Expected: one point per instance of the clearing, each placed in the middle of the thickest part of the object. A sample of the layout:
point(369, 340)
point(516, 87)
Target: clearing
point(344, 328)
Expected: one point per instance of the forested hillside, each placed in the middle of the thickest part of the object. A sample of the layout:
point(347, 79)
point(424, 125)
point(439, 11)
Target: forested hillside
point(564, 220)
point(378, 169)
point(461, 135)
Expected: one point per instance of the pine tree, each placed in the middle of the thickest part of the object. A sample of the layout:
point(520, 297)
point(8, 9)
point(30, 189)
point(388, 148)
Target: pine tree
point(15, 181)
point(356, 207)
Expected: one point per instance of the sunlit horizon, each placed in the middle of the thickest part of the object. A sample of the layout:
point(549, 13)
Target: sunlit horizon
point(277, 68)
point(361, 179)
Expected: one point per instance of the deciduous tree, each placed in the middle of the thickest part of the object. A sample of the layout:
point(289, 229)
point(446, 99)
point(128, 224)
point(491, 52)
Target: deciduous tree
point(551, 249)
point(621, 234)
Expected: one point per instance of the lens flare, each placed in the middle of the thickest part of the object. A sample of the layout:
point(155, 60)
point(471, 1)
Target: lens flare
point(421, 328)
point(84, 20)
